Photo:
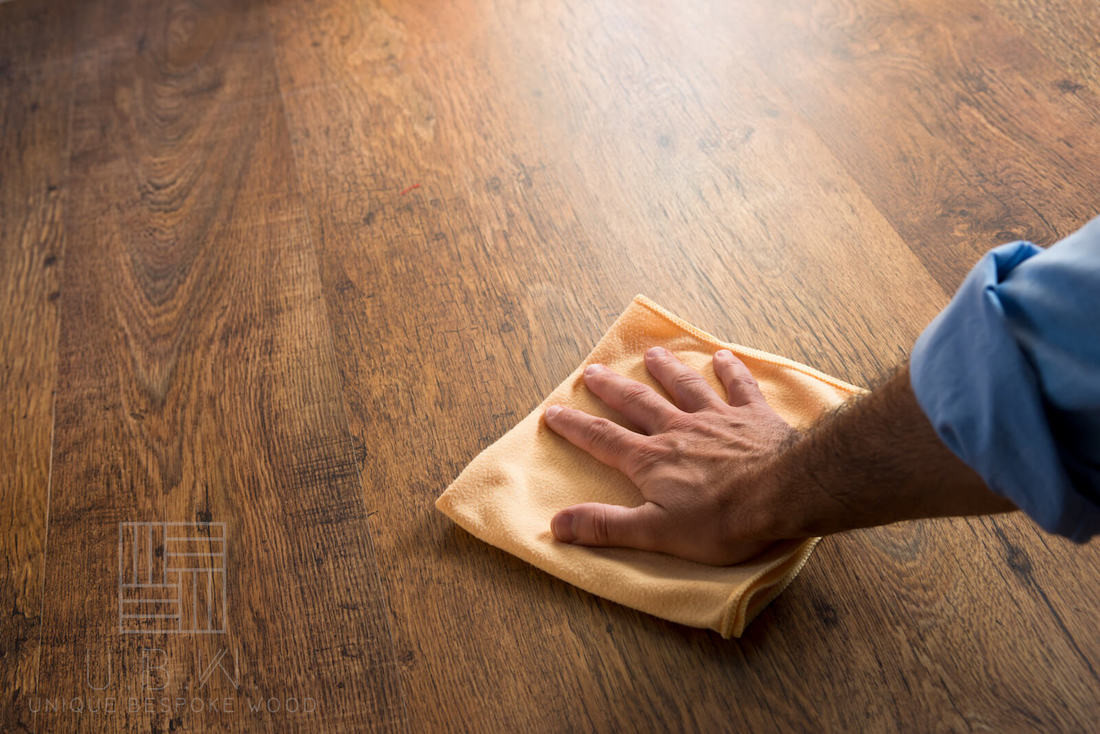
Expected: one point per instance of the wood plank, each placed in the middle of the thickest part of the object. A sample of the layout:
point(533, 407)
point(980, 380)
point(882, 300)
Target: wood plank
point(198, 386)
point(317, 255)
point(951, 119)
point(693, 198)
point(1066, 31)
point(569, 155)
point(35, 91)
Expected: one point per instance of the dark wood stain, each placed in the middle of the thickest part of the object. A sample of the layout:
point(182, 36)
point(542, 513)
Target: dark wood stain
point(224, 302)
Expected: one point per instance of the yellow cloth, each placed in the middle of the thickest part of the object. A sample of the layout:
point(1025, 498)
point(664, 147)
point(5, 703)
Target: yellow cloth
point(509, 493)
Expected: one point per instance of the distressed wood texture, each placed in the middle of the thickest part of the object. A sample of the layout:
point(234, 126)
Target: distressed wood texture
point(36, 81)
point(279, 270)
point(197, 383)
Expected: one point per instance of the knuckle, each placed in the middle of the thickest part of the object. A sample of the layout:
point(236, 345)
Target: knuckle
point(746, 381)
point(598, 432)
point(635, 393)
point(686, 382)
point(680, 422)
point(669, 449)
point(648, 455)
point(740, 373)
point(742, 382)
point(676, 449)
point(600, 523)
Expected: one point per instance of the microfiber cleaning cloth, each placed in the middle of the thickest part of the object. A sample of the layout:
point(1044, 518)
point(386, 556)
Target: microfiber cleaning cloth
point(510, 491)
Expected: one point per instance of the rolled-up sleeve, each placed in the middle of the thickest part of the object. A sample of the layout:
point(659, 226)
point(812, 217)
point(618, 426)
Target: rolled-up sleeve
point(1009, 376)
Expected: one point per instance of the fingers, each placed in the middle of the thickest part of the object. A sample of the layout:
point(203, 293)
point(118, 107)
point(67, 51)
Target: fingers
point(686, 386)
point(640, 404)
point(605, 440)
point(609, 525)
point(741, 387)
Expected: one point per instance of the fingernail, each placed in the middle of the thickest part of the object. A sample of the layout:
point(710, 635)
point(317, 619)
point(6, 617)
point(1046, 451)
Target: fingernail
point(724, 354)
point(553, 410)
point(593, 369)
point(655, 352)
point(562, 525)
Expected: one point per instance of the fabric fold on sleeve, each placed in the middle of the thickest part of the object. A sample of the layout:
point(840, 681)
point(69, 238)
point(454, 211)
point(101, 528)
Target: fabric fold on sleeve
point(1009, 376)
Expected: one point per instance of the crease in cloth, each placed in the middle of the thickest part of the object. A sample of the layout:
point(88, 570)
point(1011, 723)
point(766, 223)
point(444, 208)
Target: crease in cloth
point(507, 495)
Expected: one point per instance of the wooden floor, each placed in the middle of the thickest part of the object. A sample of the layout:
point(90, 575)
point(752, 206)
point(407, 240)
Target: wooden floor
point(282, 269)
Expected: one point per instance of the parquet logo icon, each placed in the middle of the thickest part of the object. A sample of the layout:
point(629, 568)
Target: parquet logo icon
point(171, 578)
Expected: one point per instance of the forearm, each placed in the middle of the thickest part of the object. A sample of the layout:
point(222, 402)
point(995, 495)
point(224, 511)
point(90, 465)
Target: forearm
point(876, 460)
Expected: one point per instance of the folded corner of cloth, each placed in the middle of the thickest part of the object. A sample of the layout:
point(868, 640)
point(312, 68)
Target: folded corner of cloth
point(507, 495)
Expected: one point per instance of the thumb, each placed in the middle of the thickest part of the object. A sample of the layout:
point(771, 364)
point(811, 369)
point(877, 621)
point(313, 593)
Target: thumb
point(608, 525)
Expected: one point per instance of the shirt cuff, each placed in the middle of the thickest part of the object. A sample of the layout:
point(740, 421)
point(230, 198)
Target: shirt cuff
point(982, 396)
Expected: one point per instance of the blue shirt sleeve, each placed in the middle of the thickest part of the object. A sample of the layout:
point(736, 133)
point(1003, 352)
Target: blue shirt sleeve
point(1009, 376)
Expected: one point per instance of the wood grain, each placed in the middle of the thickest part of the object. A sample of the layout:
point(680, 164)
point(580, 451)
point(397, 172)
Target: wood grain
point(715, 155)
point(36, 73)
point(317, 255)
point(1065, 32)
point(197, 384)
point(905, 93)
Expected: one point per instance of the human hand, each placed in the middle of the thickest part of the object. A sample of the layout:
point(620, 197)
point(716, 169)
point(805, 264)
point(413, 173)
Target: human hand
point(702, 464)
